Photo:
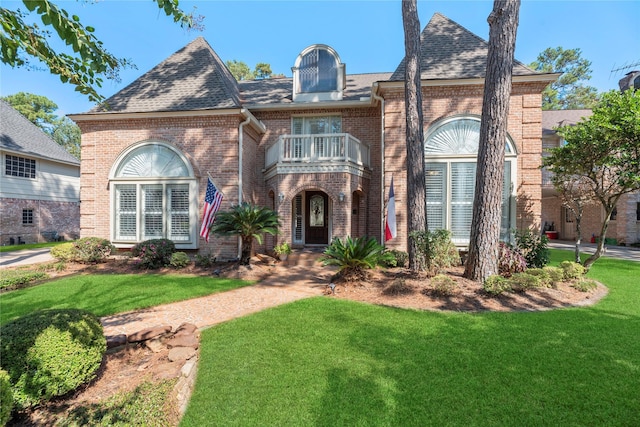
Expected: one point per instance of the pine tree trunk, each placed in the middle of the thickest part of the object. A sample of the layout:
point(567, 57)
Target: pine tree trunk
point(482, 261)
point(416, 198)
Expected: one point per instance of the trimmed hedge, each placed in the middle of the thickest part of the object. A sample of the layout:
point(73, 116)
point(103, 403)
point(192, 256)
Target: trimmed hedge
point(49, 353)
point(6, 398)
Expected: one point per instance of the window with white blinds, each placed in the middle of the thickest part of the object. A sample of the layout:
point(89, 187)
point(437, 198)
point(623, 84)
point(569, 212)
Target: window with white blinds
point(297, 219)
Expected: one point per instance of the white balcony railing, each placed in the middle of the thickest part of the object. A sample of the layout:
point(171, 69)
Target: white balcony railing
point(318, 148)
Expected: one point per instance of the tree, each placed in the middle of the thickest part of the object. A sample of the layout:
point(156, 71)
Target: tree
point(569, 91)
point(262, 71)
point(87, 62)
point(604, 152)
point(416, 192)
point(482, 261)
point(68, 135)
point(240, 70)
point(248, 222)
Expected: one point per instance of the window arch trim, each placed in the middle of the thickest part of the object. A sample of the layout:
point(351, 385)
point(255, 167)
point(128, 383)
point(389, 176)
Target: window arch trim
point(128, 155)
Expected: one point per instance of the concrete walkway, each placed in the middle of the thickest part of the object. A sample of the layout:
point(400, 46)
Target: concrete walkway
point(620, 252)
point(25, 257)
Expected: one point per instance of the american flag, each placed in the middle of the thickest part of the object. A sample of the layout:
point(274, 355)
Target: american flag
point(212, 202)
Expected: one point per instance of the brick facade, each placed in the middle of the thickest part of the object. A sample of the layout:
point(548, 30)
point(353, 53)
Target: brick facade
point(49, 217)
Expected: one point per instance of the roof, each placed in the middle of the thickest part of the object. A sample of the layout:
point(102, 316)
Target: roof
point(18, 134)
point(552, 119)
point(193, 78)
point(450, 51)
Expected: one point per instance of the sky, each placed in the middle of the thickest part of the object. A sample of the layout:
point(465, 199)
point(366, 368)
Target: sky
point(368, 35)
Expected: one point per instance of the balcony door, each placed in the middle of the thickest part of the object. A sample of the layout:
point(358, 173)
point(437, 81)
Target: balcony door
point(317, 218)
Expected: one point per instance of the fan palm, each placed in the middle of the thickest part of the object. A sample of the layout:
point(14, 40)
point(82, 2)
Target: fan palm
point(353, 256)
point(249, 222)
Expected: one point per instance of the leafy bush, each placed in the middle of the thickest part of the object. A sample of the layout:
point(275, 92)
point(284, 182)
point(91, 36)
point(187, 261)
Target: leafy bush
point(352, 256)
point(154, 253)
point(556, 274)
point(534, 248)
point(283, 248)
point(496, 285)
point(179, 260)
point(6, 398)
point(399, 259)
point(585, 285)
point(205, 260)
point(48, 353)
point(572, 270)
point(444, 285)
point(92, 250)
point(64, 252)
point(510, 261)
point(436, 249)
point(520, 282)
point(18, 278)
point(543, 275)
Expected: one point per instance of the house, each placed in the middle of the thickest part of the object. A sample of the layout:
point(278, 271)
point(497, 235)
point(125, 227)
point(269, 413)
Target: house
point(624, 225)
point(320, 148)
point(39, 185)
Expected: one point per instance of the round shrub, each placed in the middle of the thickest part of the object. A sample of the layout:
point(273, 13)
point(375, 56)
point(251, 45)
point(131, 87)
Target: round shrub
point(585, 285)
point(64, 252)
point(399, 259)
point(92, 249)
point(444, 285)
point(179, 260)
point(540, 273)
point(556, 274)
point(154, 253)
point(6, 398)
point(520, 282)
point(572, 270)
point(496, 285)
point(49, 353)
point(510, 261)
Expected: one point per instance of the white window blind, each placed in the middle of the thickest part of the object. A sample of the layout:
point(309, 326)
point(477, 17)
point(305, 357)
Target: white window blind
point(463, 181)
point(298, 218)
point(436, 183)
point(152, 202)
point(179, 227)
point(126, 212)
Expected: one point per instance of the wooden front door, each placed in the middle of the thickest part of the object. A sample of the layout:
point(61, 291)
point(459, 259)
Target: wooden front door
point(317, 218)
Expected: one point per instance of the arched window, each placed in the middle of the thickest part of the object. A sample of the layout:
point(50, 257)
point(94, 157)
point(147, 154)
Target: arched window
point(451, 151)
point(318, 75)
point(153, 196)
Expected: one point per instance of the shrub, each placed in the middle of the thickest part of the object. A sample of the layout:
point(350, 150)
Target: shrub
point(353, 256)
point(572, 270)
point(17, 278)
point(92, 250)
point(48, 353)
point(585, 285)
point(436, 249)
point(205, 260)
point(283, 248)
point(496, 285)
point(545, 279)
point(510, 261)
point(444, 285)
point(179, 260)
point(399, 259)
point(520, 282)
point(64, 252)
point(534, 248)
point(556, 274)
point(6, 398)
point(154, 253)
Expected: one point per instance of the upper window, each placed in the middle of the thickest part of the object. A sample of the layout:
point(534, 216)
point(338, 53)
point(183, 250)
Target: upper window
point(457, 136)
point(318, 75)
point(20, 167)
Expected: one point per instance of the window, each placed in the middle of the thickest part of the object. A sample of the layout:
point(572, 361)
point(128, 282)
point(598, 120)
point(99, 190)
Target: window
point(568, 215)
point(638, 211)
point(154, 197)
point(322, 144)
point(614, 214)
point(27, 217)
point(450, 154)
point(20, 167)
point(318, 75)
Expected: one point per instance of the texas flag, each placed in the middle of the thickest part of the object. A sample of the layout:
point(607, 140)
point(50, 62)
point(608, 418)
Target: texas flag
point(390, 230)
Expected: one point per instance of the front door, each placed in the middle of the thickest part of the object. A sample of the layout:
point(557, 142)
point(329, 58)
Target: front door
point(317, 221)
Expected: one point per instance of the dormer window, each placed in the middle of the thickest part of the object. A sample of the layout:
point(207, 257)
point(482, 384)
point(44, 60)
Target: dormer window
point(318, 75)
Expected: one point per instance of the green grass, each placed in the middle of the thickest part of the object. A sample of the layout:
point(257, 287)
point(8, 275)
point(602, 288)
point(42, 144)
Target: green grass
point(328, 362)
point(11, 248)
point(105, 294)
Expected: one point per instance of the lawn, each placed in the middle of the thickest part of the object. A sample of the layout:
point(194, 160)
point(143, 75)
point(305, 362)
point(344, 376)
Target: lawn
point(105, 294)
point(11, 248)
point(329, 362)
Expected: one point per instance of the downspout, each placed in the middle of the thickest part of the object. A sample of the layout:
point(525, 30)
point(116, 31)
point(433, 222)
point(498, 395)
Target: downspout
point(377, 97)
point(240, 148)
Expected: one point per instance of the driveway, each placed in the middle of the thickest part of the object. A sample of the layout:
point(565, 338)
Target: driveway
point(25, 257)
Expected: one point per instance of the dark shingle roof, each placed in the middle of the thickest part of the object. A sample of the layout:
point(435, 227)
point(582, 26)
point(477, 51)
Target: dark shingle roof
point(555, 118)
point(450, 51)
point(18, 134)
point(193, 78)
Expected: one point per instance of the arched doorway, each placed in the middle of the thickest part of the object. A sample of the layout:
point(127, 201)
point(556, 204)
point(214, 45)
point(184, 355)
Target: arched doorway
point(311, 218)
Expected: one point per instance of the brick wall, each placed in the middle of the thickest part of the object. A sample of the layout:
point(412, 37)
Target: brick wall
point(48, 216)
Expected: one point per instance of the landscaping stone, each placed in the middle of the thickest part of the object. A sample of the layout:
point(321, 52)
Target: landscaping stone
point(184, 341)
point(185, 329)
point(177, 354)
point(114, 341)
point(155, 344)
point(148, 333)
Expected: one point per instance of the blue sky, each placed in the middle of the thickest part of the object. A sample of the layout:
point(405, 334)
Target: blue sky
point(368, 35)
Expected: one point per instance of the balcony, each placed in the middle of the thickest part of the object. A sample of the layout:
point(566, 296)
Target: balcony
point(332, 152)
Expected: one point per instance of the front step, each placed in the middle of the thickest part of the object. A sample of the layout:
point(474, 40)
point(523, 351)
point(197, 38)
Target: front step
point(304, 258)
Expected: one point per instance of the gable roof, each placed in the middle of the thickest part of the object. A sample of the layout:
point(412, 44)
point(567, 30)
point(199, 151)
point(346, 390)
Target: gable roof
point(450, 51)
point(193, 78)
point(19, 135)
point(552, 119)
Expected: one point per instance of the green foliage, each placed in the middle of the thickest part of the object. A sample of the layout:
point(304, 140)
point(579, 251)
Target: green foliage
point(444, 285)
point(585, 285)
point(241, 71)
point(205, 260)
point(12, 279)
point(569, 91)
point(399, 259)
point(49, 353)
point(542, 274)
point(92, 249)
point(534, 248)
point(6, 398)
point(67, 134)
point(283, 248)
point(64, 252)
point(510, 260)
point(572, 270)
point(249, 222)
point(496, 285)
point(556, 274)
point(352, 256)
point(179, 260)
point(436, 249)
point(154, 253)
point(520, 282)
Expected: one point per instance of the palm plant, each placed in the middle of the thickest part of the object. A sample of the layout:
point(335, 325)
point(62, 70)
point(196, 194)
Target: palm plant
point(249, 222)
point(353, 256)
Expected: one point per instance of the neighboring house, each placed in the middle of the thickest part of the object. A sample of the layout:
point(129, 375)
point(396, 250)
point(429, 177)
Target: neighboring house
point(39, 184)
point(624, 227)
point(320, 148)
